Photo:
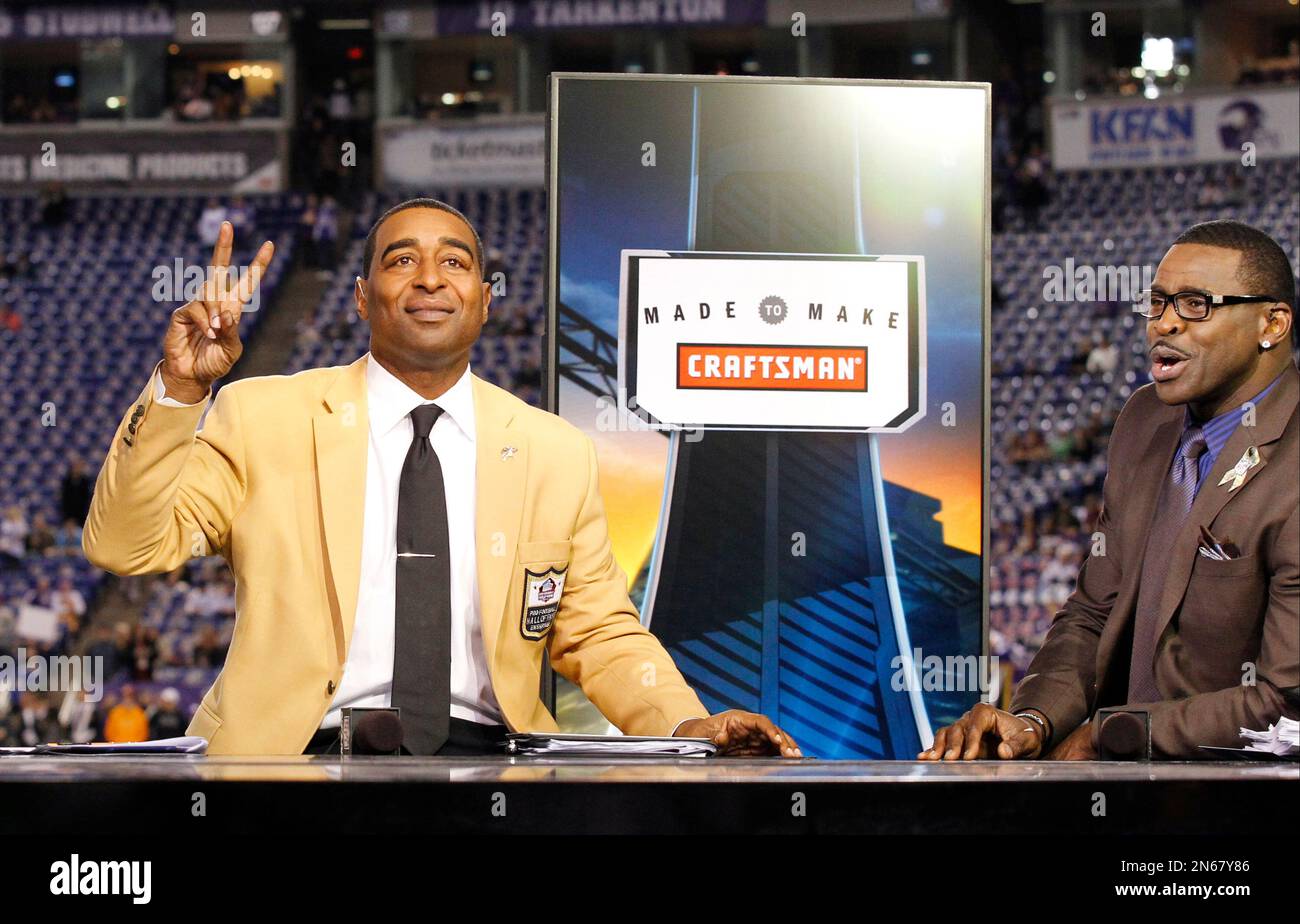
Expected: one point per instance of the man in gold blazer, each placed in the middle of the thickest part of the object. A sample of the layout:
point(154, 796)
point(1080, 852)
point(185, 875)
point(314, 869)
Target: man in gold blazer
point(295, 481)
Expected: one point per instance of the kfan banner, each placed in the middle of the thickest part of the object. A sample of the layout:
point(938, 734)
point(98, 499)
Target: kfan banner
point(1178, 129)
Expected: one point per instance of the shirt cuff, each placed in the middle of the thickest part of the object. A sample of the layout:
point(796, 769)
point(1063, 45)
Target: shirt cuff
point(673, 733)
point(160, 394)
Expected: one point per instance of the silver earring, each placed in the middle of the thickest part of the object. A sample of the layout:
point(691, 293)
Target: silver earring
point(1266, 344)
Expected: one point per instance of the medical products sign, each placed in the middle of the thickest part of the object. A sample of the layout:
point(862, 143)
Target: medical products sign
point(1176, 129)
point(772, 341)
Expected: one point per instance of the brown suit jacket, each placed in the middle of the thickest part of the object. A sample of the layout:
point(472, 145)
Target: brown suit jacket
point(1228, 649)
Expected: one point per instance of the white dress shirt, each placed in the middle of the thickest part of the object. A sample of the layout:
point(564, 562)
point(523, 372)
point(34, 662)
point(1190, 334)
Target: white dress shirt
point(368, 674)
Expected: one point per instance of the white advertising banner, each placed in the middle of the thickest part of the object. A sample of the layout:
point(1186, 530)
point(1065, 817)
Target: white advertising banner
point(473, 154)
point(1176, 129)
point(772, 341)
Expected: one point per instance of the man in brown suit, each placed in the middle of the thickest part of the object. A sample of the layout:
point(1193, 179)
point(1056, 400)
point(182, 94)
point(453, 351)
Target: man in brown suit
point(1187, 607)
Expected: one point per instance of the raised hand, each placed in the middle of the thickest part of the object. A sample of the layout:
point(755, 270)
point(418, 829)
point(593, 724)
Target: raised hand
point(202, 341)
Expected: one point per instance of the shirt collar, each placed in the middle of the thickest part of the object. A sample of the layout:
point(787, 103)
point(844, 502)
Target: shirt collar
point(1217, 429)
point(390, 400)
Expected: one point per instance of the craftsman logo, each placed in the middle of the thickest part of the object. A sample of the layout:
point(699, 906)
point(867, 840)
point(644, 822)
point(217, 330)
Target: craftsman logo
point(778, 368)
point(757, 341)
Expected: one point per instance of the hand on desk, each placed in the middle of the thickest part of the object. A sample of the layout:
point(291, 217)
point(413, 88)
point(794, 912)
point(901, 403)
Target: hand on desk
point(985, 733)
point(741, 734)
point(1076, 746)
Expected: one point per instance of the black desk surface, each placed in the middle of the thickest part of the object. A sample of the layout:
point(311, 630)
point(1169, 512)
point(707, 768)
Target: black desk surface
point(455, 794)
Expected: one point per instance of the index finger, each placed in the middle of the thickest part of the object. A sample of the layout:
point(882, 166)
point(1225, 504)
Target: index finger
point(783, 743)
point(253, 278)
point(982, 721)
point(225, 240)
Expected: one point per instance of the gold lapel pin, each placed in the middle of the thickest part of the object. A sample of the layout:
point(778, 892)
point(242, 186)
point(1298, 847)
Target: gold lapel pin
point(1237, 474)
point(507, 452)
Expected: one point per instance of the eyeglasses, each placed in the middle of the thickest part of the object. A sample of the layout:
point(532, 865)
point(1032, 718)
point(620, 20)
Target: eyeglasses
point(1190, 306)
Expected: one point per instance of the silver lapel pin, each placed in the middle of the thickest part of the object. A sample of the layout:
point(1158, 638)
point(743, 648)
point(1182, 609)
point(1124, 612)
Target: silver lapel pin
point(1237, 474)
point(507, 452)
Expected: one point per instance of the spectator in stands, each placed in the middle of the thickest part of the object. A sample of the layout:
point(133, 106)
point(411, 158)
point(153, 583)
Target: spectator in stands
point(324, 235)
point(66, 598)
point(1028, 445)
point(40, 537)
point(306, 223)
point(8, 625)
point(208, 649)
point(13, 538)
point(1103, 358)
point(67, 539)
point(33, 723)
point(340, 104)
point(144, 652)
point(1032, 186)
point(105, 650)
point(54, 205)
point(244, 218)
point(126, 721)
point(167, 721)
point(214, 213)
point(78, 719)
point(17, 266)
point(10, 319)
point(75, 491)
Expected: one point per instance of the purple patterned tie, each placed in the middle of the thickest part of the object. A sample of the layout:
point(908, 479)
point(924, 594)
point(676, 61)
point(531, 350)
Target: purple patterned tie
point(1172, 507)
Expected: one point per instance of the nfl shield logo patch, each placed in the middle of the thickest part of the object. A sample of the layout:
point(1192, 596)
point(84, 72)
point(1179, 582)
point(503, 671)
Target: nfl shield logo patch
point(542, 592)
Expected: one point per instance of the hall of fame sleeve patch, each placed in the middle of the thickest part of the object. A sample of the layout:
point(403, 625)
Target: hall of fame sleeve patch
point(542, 590)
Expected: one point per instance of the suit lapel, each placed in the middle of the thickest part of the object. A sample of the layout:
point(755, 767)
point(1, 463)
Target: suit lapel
point(1272, 416)
point(1145, 480)
point(340, 430)
point(500, 478)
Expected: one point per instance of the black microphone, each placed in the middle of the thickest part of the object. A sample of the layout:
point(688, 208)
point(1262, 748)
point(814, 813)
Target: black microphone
point(370, 732)
point(1124, 736)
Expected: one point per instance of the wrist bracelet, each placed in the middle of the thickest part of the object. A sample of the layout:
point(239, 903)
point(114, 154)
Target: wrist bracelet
point(1042, 727)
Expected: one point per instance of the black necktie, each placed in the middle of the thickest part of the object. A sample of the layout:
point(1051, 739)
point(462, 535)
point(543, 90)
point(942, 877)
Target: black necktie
point(1172, 507)
point(422, 634)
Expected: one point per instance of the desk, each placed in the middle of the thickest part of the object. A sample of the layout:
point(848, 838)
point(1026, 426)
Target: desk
point(306, 795)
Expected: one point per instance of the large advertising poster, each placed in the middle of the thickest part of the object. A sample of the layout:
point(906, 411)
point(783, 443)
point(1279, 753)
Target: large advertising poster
point(768, 309)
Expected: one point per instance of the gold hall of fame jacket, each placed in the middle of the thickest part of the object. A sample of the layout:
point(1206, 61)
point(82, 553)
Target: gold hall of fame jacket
point(274, 482)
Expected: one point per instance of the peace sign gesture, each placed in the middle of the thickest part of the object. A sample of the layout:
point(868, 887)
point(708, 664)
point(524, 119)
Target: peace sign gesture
point(202, 341)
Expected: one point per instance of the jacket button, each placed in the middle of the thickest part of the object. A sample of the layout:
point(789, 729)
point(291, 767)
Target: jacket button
point(329, 688)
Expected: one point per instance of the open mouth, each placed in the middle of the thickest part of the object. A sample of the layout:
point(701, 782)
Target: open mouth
point(424, 311)
point(1167, 364)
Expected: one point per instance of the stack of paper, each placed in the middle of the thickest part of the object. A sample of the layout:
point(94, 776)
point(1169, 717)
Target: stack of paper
point(186, 745)
point(529, 745)
point(1282, 739)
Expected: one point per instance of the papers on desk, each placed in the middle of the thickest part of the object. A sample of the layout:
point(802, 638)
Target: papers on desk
point(1280, 741)
point(536, 745)
point(185, 745)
